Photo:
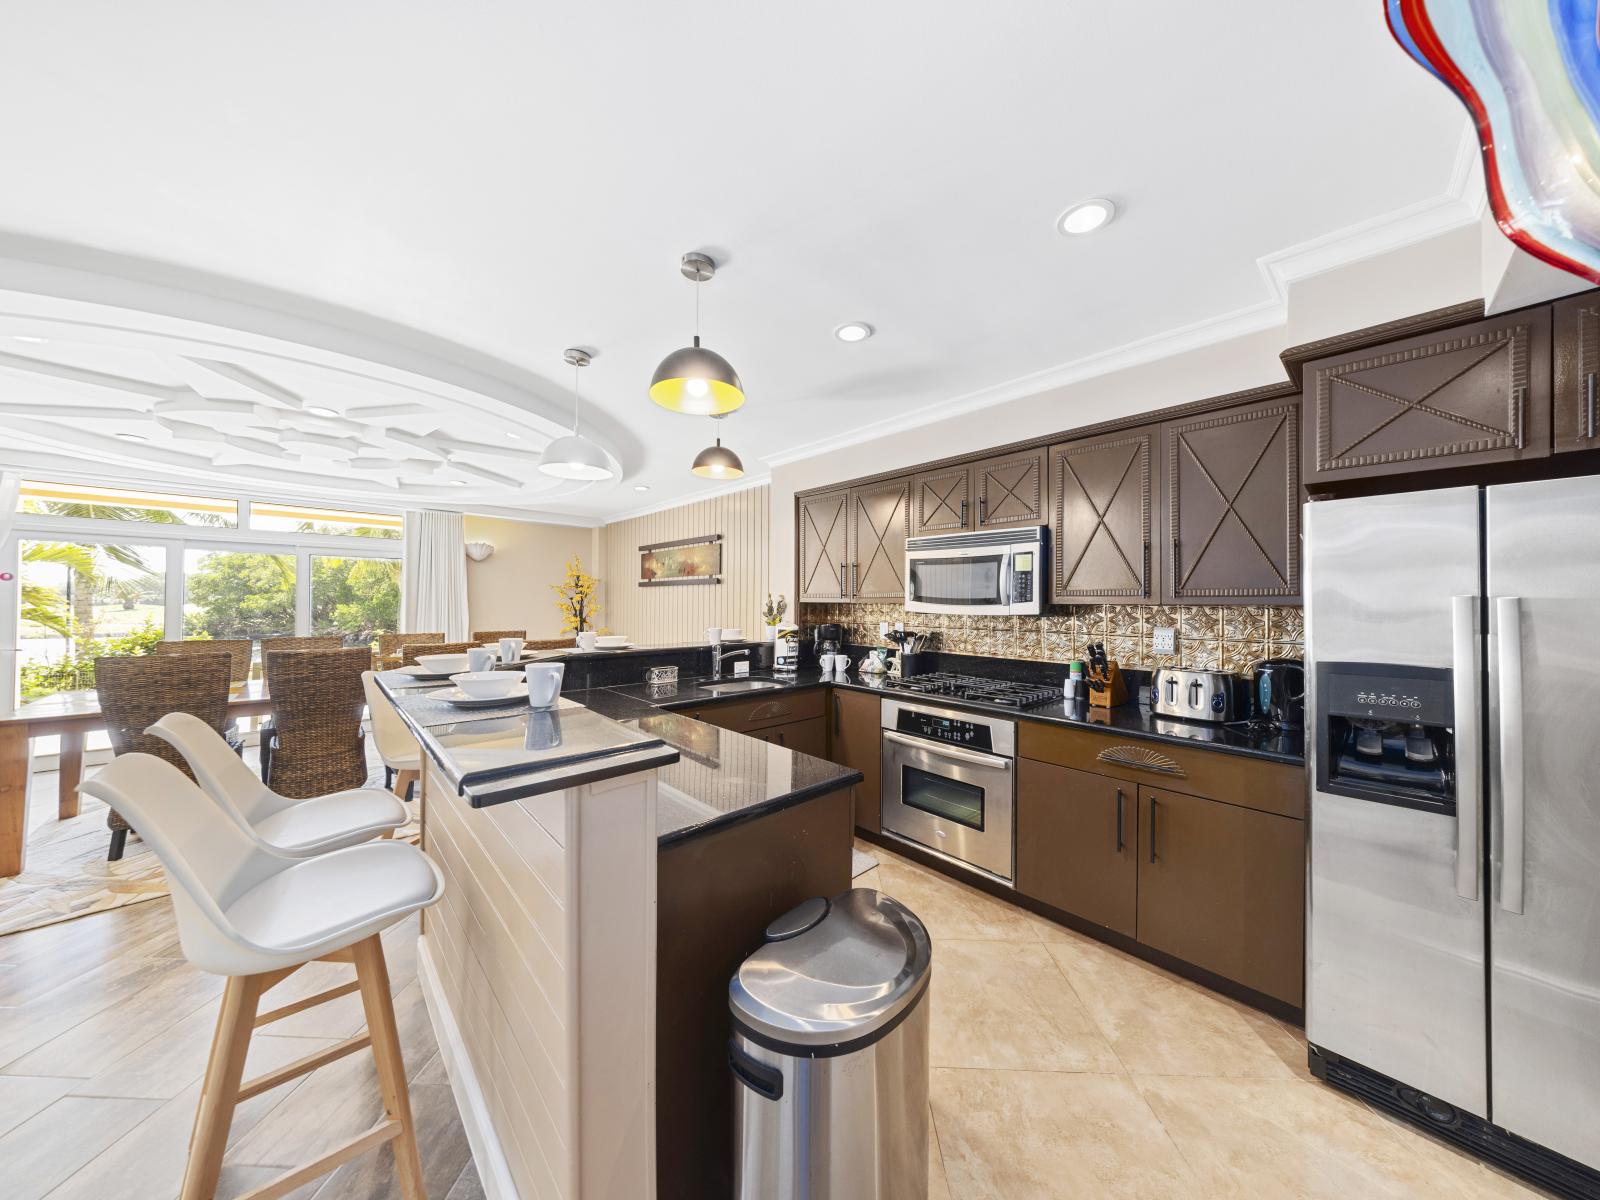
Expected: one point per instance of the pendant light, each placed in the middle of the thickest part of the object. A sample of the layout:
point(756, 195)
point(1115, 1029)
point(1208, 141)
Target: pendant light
point(575, 456)
point(696, 380)
point(717, 462)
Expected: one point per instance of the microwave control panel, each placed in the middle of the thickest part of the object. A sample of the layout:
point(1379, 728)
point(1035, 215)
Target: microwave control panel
point(1022, 572)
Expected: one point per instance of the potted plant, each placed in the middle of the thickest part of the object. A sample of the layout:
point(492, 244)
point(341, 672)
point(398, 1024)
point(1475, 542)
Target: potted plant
point(772, 613)
point(575, 599)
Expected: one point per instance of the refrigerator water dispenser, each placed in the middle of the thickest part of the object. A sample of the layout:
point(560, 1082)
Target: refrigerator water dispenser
point(1386, 733)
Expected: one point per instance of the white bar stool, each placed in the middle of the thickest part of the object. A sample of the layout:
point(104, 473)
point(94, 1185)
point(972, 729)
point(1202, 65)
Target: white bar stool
point(402, 757)
point(257, 916)
point(297, 827)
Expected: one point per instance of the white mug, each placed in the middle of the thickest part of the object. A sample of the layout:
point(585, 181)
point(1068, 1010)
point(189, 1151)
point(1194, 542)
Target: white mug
point(510, 649)
point(826, 661)
point(588, 639)
point(713, 635)
point(480, 658)
point(544, 683)
point(841, 663)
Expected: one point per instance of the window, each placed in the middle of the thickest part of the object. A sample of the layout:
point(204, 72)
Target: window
point(238, 594)
point(292, 518)
point(358, 598)
point(123, 504)
point(81, 600)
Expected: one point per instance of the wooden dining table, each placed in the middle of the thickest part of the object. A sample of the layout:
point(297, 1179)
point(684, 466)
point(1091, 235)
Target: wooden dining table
point(70, 716)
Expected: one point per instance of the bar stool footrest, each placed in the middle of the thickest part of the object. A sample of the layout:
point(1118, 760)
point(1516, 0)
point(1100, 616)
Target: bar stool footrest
point(302, 1066)
point(383, 1131)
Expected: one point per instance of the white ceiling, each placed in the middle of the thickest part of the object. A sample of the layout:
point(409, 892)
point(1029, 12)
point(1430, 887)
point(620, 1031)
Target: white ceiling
point(480, 186)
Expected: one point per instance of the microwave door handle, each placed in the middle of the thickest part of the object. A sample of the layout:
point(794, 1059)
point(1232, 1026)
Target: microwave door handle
point(939, 750)
point(1464, 679)
point(1508, 613)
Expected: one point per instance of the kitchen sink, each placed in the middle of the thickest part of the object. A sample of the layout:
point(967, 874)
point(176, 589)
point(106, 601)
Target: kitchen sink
point(730, 686)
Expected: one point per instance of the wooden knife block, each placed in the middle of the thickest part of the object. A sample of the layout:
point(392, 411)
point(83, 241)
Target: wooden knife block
point(1106, 688)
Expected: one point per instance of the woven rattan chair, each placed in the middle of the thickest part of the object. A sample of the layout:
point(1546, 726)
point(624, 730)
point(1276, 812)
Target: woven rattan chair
point(389, 645)
point(494, 635)
point(136, 691)
point(408, 654)
point(317, 743)
point(321, 642)
point(237, 649)
point(565, 643)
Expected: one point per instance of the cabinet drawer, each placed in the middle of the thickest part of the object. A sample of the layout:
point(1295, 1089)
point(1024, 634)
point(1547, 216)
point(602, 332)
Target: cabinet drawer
point(758, 712)
point(805, 737)
point(1254, 783)
point(1223, 887)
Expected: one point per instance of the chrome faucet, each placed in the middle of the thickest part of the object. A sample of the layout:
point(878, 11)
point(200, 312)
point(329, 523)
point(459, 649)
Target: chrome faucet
point(717, 656)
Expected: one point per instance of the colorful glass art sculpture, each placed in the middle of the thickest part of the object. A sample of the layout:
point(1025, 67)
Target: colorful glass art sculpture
point(1529, 73)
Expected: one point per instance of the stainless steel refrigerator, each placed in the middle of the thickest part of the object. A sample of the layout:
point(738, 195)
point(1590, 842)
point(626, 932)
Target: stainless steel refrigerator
point(1453, 728)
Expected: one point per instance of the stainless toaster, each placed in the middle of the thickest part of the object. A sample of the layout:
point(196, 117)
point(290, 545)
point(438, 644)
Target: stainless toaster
point(1192, 695)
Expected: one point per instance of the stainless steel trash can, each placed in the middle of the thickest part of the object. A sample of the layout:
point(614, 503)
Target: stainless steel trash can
point(830, 1054)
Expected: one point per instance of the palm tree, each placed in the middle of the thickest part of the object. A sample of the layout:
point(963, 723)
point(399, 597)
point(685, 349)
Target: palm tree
point(43, 605)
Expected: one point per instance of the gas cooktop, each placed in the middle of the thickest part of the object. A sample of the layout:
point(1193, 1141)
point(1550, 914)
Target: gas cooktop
point(1007, 693)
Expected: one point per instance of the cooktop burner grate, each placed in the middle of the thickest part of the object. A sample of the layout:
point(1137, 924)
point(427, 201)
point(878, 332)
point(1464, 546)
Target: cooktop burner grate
point(1007, 693)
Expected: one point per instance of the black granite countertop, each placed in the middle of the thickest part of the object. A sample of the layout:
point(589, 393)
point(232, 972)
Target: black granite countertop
point(1127, 720)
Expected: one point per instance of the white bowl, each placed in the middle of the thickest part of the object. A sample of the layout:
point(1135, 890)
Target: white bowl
point(733, 635)
point(611, 641)
point(486, 685)
point(441, 664)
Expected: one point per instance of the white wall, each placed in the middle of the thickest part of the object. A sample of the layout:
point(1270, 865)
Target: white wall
point(511, 588)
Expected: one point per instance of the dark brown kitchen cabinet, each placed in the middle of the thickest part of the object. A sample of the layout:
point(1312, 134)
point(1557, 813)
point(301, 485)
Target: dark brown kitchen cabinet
point(1472, 394)
point(940, 501)
point(1577, 365)
point(1008, 490)
point(880, 522)
point(856, 742)
point(763, 712)
point(805, 737)
point(822, 532)
point(1103, 494)
point(1076, 843)
point(1222, 887)
point(1233, 506)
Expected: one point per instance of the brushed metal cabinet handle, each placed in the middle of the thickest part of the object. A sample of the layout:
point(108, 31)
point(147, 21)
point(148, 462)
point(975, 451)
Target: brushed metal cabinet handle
point(1152, 829)
point(836, 707)
point(1464, 678)
point(983, 509)
point(844, 581)
point(1589, 404)
point(963, 514)
point(1508, 611)
point(1119, 821)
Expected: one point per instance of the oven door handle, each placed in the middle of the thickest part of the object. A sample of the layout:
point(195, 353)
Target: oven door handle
point(943, 751)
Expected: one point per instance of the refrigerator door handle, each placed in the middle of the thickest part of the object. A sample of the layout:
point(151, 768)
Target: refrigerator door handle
point(1464, 678)
point(1508, 629)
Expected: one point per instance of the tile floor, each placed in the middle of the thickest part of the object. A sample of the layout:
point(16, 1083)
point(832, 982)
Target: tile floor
point(1064, 1068)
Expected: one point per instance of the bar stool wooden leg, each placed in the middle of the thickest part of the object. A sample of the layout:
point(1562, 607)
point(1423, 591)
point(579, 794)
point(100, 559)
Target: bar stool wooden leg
point(220, 1092)
point(373, 974)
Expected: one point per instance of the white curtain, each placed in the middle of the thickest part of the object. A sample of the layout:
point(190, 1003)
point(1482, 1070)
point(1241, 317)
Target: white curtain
point(433, 576)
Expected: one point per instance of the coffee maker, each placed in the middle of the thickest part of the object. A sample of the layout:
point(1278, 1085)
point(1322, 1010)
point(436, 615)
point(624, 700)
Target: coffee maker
point(827, 639)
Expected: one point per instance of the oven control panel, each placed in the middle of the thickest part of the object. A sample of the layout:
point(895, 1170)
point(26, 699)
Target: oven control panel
point(975, 735)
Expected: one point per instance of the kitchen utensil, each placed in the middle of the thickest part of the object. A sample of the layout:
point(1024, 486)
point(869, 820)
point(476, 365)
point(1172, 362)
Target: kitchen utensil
point(544, 683)
point(1192, 695)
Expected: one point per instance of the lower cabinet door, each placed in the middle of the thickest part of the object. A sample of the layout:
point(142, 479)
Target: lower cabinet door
point(1223, 887)
point(1076, 843)
point(856, 741)
point(807, 737)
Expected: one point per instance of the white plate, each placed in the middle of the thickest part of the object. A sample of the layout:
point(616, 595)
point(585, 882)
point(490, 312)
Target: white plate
point(454, 695)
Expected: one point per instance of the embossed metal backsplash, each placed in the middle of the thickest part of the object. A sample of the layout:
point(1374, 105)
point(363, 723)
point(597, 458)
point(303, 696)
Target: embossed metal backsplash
point(1231, 637)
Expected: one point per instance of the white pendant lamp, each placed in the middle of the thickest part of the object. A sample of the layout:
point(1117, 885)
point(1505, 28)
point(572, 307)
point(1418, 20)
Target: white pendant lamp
point(695, 380)
point(575, 456)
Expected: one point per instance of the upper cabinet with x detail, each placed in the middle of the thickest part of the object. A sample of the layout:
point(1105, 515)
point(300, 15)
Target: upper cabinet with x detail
point(1477, 393)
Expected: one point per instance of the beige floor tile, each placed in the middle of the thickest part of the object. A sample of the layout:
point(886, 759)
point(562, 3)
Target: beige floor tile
point(1022, 1135)
point(869, 879)
point(1299, 1141)
point(938, 1185)
point(52, 1144)
point(953, 910)
point(1159, 1024)
point(1006, 1005)
point(21, 1096)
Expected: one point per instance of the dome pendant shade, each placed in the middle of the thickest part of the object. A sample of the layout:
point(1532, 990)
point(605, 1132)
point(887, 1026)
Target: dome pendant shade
point(717, 462)
point(574, 457)
point(697, 381)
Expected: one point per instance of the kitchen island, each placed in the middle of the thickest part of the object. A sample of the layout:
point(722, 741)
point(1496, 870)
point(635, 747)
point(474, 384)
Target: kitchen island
point(607, 868)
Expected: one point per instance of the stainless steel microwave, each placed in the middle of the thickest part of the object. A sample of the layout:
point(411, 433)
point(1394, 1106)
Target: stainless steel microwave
point(987, 571)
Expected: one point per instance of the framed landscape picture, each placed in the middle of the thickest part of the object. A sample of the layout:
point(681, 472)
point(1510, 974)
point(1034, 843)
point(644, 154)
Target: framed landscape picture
point(688, 561)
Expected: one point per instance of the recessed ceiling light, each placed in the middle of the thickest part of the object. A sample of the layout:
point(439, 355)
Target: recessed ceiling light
point(853, 331)
point(458, 483)
point(641, 487)
point(133, 437)
point(321, 410)
point(1086, 216)
point(28, 337)
point(515, 437)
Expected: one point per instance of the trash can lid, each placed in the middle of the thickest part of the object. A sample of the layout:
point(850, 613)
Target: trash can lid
point(844, 981)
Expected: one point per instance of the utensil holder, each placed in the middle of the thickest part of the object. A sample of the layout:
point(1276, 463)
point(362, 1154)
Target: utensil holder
point(1107, 688)
point(913, 664)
